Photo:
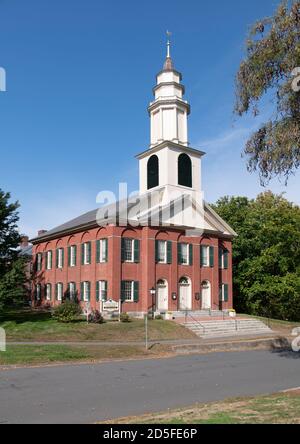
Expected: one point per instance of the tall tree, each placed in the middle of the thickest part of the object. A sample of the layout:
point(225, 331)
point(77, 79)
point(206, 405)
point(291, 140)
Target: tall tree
point(266, 254)
point(272, 65)
point(12, 271)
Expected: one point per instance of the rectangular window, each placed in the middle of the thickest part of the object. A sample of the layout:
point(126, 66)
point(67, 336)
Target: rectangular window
point(39, 259)
point(48, 292)
point(129, 291)
point(59, 258)
point(49, 260)
point(72, 291)
point(223, 258)
point(185, 254)
point(224, 294)
point(128, 250)
point(59, 291)
point(85, 291)
point(86, 253)
point(207, 256)
point(101, 291)
point(102, 250)
point(162, 252)
point(72, 255)
point(38, 292)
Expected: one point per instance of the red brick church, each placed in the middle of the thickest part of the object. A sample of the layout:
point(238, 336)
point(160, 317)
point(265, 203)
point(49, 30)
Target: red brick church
point(165, 250)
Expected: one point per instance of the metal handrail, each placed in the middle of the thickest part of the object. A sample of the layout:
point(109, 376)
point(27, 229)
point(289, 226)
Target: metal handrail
point(194, 319)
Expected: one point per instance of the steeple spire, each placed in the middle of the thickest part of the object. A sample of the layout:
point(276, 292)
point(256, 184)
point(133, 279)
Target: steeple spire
point(168, 65)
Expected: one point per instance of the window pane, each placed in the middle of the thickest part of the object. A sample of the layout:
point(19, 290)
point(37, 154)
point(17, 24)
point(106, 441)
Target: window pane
point(184, 253)
point(162, 251)
point(128, 249)
point(128, 293)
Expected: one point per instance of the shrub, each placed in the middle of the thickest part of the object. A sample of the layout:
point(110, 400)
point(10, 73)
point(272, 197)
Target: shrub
point(68, 311)
point(159, 318)
point(95, 317)
point(125, 317)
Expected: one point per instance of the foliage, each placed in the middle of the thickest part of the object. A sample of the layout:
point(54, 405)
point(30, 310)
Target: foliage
point(12, 284)
point(273, 53)
point(12, 268)
point(159, 318)
point(124, 317)
point(68, 311)
point(95, 317)
point(266, 254)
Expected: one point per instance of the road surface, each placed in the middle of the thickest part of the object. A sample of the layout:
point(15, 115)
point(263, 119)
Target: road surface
point(87, 393)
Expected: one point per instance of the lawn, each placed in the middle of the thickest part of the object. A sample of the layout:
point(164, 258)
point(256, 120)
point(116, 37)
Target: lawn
point(281, 408)
point(36, 325)
point(47, 354)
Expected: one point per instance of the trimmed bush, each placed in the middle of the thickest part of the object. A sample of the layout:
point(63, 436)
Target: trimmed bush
point(68, 311)
point(95, 317)
point(125, 317)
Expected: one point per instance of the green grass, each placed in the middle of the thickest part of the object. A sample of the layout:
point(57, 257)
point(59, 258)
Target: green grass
point(35, 325)
point(46, 354)
point(282, 408)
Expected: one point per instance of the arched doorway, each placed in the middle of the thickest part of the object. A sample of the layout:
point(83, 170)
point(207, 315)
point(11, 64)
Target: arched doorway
point(206, 295)
point(162, 295)
point(185, 294)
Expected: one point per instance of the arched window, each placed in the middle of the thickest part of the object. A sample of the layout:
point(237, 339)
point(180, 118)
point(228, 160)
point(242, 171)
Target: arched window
point(184, 170)
point(153, 172)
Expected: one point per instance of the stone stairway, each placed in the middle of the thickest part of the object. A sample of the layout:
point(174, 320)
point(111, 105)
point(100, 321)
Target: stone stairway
point(228, 327)
point(201, 314)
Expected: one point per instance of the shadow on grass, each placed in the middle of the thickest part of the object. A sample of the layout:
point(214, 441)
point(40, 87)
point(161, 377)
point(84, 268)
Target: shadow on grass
point(23, 315)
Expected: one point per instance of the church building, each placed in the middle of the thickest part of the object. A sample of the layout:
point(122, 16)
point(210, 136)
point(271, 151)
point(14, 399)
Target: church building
point(166, 250)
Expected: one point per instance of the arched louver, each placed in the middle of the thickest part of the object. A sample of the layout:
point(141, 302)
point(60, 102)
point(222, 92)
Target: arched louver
point(185, 170)
point(153, 172)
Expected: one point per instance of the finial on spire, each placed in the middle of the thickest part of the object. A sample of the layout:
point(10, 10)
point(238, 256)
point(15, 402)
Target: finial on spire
point(168, 43)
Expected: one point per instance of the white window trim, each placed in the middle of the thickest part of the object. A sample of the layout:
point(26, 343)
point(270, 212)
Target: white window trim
point(101, 289)
point(85, 256)
point(207, 249)
point(165, 252)
point(48, 293)
point(72, 290)
point(59, 291)
point(132, 251)
point(72, 256)
point(187, 253)
point(103, 250)
point(85, 291)
point(132, 293)
point(38, 292)
point(39, 261)
point(48, 262)
point(60, 258)
point(223, 292)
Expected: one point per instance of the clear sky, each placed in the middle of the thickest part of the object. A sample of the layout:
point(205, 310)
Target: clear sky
point(79, 79)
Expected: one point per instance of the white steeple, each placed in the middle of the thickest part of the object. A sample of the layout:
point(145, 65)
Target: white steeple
point(168, 113)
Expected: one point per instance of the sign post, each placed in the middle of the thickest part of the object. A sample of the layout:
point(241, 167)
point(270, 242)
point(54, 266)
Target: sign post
point(146, 331)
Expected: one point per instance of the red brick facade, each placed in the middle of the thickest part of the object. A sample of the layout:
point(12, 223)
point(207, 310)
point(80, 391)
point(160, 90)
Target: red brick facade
point(146, 271)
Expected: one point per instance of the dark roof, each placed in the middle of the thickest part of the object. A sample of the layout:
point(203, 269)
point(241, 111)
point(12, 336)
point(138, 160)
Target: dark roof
point(26, 251)
point(91, 218)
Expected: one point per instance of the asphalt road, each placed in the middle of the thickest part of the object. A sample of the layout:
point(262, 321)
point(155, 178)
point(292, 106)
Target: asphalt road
point(86, 393)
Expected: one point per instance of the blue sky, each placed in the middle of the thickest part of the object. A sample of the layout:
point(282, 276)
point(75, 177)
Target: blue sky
point(79, 79)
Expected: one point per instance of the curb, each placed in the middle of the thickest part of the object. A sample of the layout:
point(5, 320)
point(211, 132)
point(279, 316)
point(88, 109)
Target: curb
point(279, 343)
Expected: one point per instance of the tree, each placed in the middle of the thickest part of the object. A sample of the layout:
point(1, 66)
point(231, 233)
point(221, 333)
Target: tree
point(272, 65)
point(266, 254)
point(12, 268)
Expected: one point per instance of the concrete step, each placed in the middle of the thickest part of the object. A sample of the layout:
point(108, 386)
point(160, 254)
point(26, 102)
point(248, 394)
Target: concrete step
point(227, 327)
